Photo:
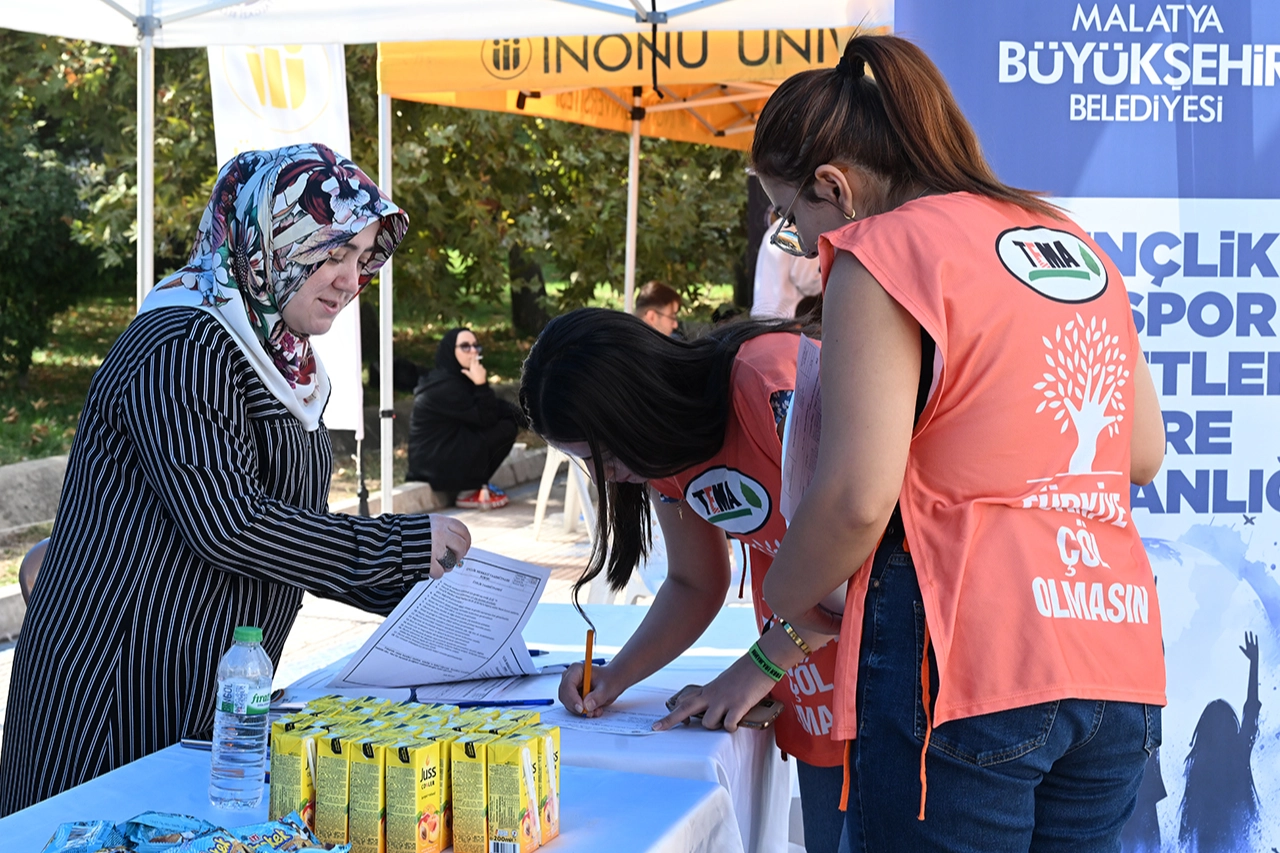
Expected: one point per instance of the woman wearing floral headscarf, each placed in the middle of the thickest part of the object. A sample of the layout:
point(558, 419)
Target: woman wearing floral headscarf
point(196, 492)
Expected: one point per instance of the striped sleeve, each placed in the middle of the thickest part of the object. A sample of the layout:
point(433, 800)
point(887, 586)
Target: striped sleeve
point(196, 442)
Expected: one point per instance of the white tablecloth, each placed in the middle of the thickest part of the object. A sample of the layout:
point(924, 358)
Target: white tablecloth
point(602, 809)
point(747, 763)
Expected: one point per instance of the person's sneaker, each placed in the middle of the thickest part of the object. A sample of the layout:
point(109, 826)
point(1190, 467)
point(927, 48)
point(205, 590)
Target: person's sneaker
point(488, 498)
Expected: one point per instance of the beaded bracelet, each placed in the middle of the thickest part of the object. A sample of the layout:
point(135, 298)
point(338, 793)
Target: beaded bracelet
point(768, 667)
point(795, 638)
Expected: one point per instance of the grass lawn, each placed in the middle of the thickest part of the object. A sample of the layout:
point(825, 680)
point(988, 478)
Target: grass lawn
point(40, 419)
point(14, 546)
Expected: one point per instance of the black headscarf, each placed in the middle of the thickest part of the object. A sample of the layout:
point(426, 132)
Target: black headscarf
point(445, 357)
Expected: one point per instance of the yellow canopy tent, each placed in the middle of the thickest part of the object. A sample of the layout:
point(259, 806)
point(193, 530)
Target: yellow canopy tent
point(708, 88)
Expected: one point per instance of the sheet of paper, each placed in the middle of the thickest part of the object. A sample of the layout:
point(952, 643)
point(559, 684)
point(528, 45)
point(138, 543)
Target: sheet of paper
point(634, 713)
point(465, 626)
point(803, 429)
point(510, 689)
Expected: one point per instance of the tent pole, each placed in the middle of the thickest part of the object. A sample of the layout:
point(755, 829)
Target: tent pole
point(385, 369)
point(633, 205)
point(145, 239)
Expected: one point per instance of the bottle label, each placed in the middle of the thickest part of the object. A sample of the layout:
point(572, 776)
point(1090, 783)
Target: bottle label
point(236, 697)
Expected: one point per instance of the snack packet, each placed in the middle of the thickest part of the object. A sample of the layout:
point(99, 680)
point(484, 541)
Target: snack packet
point(278, 836)
point(85, 836)
point(154, 832)
point(218, 841)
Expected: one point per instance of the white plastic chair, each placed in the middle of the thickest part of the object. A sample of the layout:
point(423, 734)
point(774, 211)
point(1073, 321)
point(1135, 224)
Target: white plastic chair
point(577, 495)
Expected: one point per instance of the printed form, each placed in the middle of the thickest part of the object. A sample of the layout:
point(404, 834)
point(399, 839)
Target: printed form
point(803, 430)
point(800, 439)
point(465, 626)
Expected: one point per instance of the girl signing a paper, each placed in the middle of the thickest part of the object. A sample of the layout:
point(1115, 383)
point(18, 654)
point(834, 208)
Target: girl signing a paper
point(694, 426)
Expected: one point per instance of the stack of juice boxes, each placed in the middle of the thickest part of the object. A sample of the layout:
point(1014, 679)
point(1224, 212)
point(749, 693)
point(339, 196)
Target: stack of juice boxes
point(387, 777)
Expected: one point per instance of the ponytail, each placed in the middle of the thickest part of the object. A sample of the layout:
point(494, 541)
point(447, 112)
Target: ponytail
point(886, 108)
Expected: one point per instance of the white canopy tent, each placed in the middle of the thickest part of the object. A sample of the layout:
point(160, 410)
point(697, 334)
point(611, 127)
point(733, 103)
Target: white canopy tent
point(200, 23)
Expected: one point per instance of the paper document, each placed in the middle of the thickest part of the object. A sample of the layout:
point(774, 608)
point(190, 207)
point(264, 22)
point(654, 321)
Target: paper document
point(510, 689)
point(633, 713)
point(466, 625)
point(803, 429)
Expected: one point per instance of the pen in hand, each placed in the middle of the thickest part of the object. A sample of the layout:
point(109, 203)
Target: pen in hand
point(586, 666)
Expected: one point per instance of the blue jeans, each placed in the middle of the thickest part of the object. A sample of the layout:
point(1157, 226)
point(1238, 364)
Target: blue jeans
point(1057, 776)
point(820, 806)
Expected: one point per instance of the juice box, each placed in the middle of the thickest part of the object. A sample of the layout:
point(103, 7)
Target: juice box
point(446, 738)
point(367, 809)
point(521, 718)
point(293, 768)
point(548, 776)
point(470, 771)
point(417, 808)
point(333, 786)
point(499, 727)
point(514, 814)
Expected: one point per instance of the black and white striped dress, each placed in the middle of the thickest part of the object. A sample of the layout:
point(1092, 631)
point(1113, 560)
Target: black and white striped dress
point(194, 502)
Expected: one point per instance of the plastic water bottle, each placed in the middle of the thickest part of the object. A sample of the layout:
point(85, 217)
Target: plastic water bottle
point(240, 729)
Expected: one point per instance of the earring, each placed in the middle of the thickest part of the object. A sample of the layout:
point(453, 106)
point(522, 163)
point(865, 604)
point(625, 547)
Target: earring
point(850, 215)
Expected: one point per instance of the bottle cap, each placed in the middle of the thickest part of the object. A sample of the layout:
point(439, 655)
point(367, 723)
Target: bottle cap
point(248, 634)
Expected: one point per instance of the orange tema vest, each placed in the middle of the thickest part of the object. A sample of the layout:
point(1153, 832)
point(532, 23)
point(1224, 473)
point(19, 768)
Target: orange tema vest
point(1015, 499)
point(737, 490)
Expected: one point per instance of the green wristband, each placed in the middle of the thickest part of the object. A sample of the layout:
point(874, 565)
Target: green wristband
point(768, 667)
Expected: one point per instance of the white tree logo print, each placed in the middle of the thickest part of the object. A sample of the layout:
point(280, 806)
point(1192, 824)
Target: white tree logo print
point(1084, 381)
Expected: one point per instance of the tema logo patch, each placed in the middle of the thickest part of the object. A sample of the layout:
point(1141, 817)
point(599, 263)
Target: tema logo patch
point(729, 499)
point(1055, 264)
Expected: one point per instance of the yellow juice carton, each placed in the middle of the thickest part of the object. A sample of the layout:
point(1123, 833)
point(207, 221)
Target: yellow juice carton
point(521, 718)
point(417, 809)
point(367, 810)
point(333, 785)
point(470, 771)
point(293, 768)
point(372, 704)
point(446, 738)
point(548, 776)
point(499, 727)
point(465, 723)
point(514, 815)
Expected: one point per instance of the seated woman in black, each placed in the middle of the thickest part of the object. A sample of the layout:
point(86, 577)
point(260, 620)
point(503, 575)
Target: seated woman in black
point(460, 431)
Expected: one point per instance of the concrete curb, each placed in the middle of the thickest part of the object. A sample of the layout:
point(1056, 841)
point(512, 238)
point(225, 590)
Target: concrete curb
point(12, 609)
point(29, 492)
point(522, 465)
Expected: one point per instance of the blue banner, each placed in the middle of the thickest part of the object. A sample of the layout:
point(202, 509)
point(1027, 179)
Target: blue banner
point(1137, 100)
point(1157, 125)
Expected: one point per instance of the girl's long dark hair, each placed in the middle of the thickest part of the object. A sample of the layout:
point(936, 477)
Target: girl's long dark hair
point(887, 109)
point(657, 404)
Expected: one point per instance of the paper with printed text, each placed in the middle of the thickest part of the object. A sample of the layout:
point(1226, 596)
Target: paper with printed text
point(465, 626)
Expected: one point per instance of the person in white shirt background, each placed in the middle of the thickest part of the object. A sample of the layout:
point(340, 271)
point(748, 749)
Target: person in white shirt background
point(782, 280)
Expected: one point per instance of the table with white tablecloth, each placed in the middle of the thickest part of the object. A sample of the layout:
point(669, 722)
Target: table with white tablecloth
point(602, 809)
point(746, 763)
point(688, 789)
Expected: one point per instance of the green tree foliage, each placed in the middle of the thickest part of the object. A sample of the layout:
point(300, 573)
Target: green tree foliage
point(44, 270)
point(481, 189)
point(477, 183)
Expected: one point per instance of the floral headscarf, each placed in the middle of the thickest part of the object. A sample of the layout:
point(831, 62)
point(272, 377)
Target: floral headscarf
point(273, 219)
